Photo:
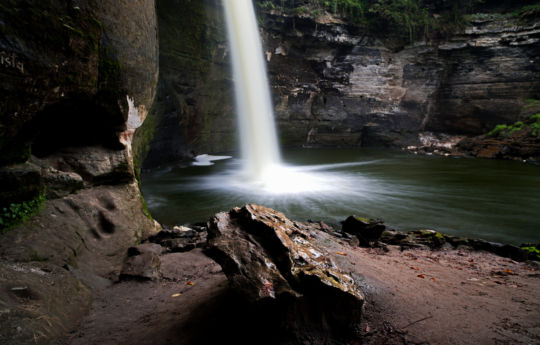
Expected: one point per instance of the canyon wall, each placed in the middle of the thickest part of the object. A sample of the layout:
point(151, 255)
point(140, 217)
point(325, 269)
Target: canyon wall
point(337, 88)
point(193, 109)
point(334, 85)
point(76, 80)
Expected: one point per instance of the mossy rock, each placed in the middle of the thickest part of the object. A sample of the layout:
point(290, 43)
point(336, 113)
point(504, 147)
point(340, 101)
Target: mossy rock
point(367, 230)
point(430, 238)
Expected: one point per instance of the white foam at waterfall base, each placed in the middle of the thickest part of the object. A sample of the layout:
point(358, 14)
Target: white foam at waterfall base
point(281, 179)
point(317, 181)
point(262, 170)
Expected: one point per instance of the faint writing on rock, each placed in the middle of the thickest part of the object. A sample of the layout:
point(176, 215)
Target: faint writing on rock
point(10, 60)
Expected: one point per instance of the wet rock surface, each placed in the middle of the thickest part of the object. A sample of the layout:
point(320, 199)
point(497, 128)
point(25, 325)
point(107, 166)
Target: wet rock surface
point(373, 233)
point(274, 263)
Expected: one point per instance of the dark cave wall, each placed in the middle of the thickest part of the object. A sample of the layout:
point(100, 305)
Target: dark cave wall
point(193, 110)
point(64, 53)
point(76, 80)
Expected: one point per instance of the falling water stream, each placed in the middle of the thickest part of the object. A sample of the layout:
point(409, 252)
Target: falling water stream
point(253, 102)
point(262, 168)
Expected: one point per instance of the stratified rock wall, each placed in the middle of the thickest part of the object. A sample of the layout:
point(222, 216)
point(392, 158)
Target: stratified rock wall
point(334, 85)
point(194, 105)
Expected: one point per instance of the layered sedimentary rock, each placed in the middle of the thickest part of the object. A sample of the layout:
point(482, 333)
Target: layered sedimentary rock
point(335, 85)
point(194, 105)
point(77, 79)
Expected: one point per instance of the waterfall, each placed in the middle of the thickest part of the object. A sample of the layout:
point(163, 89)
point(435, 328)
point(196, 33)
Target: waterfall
point(262, 170)
point(258, 138)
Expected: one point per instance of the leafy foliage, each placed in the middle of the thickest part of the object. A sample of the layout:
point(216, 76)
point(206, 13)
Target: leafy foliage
point(533, 251)
point(506, 130)
point(536, 124)
point(407, 20)
point(17, 213)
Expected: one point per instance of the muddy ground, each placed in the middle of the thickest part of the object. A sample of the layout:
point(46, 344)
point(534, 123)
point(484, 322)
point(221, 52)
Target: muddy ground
point(412, 297)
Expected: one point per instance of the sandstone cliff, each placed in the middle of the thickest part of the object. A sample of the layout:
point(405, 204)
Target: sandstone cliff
point(77, 79)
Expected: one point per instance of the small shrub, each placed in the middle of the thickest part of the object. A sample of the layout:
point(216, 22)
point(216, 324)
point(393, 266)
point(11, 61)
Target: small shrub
point(515, 127)
point(507, 130)
point(535, 125)
point(17, 213)
point(533, 252)
point(497, 130)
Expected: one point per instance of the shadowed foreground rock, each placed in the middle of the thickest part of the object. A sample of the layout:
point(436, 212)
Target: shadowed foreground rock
point(291, 283)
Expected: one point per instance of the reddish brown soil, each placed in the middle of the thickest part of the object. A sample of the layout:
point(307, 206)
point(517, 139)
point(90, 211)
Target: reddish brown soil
point(415, 296)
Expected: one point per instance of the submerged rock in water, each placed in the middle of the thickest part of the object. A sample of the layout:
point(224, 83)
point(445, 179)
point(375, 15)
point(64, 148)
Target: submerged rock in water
point(271, 260)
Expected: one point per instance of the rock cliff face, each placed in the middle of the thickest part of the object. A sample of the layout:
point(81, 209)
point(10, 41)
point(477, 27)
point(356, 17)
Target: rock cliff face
point(193, 109)
point(76, 80)
point(335, 86)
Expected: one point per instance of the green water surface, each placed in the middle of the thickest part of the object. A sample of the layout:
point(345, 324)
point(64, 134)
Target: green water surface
point(490, 199)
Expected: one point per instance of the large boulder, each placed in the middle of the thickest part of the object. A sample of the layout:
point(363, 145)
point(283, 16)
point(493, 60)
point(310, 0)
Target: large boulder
point(272, 261)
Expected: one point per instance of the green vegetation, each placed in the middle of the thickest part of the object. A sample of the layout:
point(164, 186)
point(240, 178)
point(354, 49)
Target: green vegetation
point(17, 213)
point(536, 124)
point(506, 130)
point(531, 103)
point(407, 20)
point(143, 137)
point(533, 252)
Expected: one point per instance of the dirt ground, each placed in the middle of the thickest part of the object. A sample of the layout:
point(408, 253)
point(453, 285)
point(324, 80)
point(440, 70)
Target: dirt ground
point(412, 297)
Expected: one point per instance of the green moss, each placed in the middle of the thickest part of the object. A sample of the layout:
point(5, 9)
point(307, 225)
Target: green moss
point(536, 124)
point(506, 130)
point(17, 213)
point(143, 138)
point(517, 126)
point(525, 10)
point(534, 252)
point(362, 219)
point(145, 209)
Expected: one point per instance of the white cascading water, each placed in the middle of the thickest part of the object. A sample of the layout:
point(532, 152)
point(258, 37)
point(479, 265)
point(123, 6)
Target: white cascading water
point(258, 137)
point(262, 169)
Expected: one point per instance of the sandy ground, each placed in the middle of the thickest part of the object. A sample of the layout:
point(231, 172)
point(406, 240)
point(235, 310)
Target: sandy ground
point(412, 297)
